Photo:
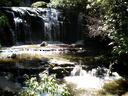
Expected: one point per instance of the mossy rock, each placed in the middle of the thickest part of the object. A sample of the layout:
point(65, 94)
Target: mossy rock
point(117, 87)
point(39, 4)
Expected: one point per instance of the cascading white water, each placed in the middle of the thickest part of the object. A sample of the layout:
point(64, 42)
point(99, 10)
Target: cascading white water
point(93, 79)
point(33, 25)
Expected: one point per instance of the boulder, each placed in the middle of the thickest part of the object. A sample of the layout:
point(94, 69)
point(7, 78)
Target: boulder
point(43, 44)
point(13, 56)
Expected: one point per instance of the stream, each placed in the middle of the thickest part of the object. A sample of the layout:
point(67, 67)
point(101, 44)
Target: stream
point(61, 59)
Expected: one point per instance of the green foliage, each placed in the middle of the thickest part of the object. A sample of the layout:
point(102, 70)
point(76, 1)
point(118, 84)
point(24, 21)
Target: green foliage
point(109, 18)
point(47, 86)
point(115, 22)
point(3, 20)
point(39, 4)
point(69, 4)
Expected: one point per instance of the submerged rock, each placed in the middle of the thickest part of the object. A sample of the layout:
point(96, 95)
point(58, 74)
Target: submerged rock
point(60, 67)
point(33, 64)
point(8, 85)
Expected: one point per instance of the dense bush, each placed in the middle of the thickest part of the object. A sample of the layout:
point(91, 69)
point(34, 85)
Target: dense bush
point(46, 87)
point(3, 20)
point(69, 4)
point(39, 4)
point(115, 22)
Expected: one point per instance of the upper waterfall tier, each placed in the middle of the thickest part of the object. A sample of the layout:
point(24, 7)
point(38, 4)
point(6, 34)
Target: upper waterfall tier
point(33, 25)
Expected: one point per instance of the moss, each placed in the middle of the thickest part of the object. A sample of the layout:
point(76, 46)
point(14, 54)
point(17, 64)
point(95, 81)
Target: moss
point(39, 4)
point(117, 87)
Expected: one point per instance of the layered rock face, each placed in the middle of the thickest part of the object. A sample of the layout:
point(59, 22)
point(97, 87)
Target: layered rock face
point(34, 25)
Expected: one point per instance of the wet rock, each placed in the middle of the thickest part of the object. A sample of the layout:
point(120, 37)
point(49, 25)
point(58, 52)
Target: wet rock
point(44, 60)
point(60, 67)
point(7, 85)
point(78, 71)
point(78, 44)
point(13, 56)
point(33, 64)
point(43, 44)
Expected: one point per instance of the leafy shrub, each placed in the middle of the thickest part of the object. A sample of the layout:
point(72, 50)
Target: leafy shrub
point(115, 23)
point(69, 4)
point(47, 86)
point(39, 4)
point(3, 20)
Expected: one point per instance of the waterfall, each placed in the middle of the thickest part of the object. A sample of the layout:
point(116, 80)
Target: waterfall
point(34, 25)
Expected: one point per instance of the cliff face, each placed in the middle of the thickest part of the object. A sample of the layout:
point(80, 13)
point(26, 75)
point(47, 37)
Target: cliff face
point(34, 25)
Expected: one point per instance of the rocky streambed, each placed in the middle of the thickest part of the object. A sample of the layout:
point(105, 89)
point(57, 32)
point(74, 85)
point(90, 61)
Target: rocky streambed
point(66, 61)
